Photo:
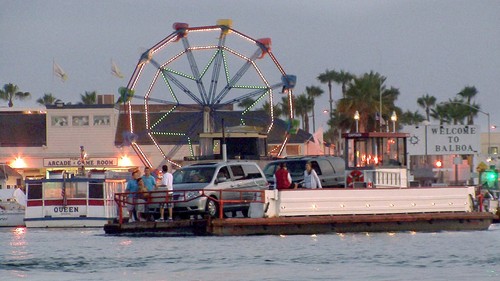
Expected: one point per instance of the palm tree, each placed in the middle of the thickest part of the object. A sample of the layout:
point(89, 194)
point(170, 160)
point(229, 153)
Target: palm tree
point(88, 98)
point(468, 93)
point(344, 78)
point(47, 98)
point(411, 118)
point(246, 103)
point(440, 113)
point(11, 92)
point(427, 102)
point(313, 92)
point(328, 77)
point(303, 106)
point(285, 106)
point(457, 111)
point(364, 95)
point(266, 107)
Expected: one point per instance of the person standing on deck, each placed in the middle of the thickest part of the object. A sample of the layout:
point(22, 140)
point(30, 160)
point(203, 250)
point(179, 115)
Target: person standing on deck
point(311, 179)
point(282, 178)
point(132, 188)
point(149, 180)
point(166, 181)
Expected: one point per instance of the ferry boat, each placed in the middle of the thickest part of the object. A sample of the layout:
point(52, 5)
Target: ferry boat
point(12, 209)
point(68, 201)
point(377, 197)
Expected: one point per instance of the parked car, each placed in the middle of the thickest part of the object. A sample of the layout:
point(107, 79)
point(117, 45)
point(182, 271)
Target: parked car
point(330, 169)
point(200, 182)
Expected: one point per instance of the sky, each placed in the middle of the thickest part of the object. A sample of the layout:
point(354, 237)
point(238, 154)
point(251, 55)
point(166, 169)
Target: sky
point(422, 47)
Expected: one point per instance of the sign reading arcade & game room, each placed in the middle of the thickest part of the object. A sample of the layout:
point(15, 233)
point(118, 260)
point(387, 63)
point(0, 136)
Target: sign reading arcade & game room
point(76, 162)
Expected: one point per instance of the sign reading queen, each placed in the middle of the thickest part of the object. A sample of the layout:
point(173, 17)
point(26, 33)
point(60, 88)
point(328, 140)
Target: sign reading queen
point(443, 140)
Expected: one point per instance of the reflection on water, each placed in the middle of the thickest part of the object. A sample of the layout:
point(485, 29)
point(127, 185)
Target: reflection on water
point(87, 254)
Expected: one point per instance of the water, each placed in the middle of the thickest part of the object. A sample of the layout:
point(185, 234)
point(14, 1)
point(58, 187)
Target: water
point(88, 254)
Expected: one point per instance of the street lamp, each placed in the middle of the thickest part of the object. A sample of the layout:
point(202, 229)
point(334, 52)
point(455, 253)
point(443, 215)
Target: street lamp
point(356, 118)
point(394, 118)
point(485, 113)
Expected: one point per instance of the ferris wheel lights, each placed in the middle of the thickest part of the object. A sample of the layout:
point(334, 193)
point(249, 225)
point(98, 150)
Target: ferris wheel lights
point(145, 57)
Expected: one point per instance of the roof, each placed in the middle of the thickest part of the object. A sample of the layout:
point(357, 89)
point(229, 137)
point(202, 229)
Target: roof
point(22, 130)
point(6, 171)
point(176, 127)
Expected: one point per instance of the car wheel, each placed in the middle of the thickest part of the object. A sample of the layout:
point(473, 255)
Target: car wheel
point(212, 207)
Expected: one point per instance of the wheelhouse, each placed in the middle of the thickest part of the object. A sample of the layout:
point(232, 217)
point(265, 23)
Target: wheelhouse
point(376, 159)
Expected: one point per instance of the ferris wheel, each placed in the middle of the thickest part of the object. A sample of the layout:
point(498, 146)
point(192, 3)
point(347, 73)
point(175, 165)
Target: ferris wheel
point(205, 69)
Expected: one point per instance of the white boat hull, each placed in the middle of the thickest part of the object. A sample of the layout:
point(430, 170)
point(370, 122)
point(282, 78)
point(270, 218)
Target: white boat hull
point(11, 218)
point(67, 222)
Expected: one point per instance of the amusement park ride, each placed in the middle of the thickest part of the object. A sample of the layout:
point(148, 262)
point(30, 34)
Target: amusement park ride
point(204, 69)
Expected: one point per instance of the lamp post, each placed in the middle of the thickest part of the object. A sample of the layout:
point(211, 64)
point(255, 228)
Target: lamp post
point(356, 118)
point(394, 118)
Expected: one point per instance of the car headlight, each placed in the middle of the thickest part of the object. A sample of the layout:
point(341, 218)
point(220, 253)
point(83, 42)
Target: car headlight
point(192, 194)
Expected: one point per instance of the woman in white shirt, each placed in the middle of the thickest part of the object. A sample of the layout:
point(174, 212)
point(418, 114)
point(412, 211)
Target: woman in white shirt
point(311, 179)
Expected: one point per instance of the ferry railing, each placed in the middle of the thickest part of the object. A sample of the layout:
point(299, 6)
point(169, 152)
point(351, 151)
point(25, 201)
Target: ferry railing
point(157, 197)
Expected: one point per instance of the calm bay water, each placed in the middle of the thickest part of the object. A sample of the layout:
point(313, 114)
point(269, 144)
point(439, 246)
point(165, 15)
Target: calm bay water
point(88, 254)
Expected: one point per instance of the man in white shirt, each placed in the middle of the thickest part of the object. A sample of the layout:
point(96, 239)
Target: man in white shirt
point(166, 181)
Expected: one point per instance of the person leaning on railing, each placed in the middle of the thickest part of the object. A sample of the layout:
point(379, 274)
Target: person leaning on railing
point(132, 188)
point(166, 181)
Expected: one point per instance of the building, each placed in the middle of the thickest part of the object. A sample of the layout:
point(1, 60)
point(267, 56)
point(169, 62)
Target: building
point(69, 137)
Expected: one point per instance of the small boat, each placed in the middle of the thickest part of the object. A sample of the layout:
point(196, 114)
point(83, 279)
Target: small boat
point(66, 201)
point(11, 209)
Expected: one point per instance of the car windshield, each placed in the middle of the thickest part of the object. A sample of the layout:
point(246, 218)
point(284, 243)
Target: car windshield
point(194, 175)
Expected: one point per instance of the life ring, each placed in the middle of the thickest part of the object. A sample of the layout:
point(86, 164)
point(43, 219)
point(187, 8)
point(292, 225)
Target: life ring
point(354, 176)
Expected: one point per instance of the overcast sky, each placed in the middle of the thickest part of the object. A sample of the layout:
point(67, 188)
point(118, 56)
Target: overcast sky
point(434, 47)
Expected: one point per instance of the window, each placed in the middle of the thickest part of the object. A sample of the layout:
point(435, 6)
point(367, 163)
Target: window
point(101, 120)
point(80, 121)
point(251, 172)
point(96, 190)
point(52, 190)
point(59, 121)
point(76, 189)
point(35, 191)
point(493, 150)
point(238, 173)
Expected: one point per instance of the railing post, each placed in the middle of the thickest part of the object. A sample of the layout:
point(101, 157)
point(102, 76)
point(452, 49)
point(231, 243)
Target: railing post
point(221, 205)
point(120, 209)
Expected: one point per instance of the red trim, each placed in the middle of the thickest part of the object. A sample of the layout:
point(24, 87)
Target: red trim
point(95, 202)
point(76, 202)
point(34, 203)
point(53, 202)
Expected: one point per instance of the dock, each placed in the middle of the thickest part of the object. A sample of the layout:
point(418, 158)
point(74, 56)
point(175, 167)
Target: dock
point(307, 225)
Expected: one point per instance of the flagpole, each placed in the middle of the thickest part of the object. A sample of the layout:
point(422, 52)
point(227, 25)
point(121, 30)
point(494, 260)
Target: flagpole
point(380, 108)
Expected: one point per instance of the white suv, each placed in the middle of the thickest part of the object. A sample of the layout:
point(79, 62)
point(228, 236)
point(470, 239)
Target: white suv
point(195, 184)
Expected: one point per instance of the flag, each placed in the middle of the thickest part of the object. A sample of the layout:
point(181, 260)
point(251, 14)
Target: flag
point(59, 72)
point(318, 137)
point(63, 193)
point(379, 118)
point(115, 70)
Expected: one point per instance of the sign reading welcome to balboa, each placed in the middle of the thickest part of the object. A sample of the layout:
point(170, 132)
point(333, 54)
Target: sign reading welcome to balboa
point(443, 140)
point(75, 162)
